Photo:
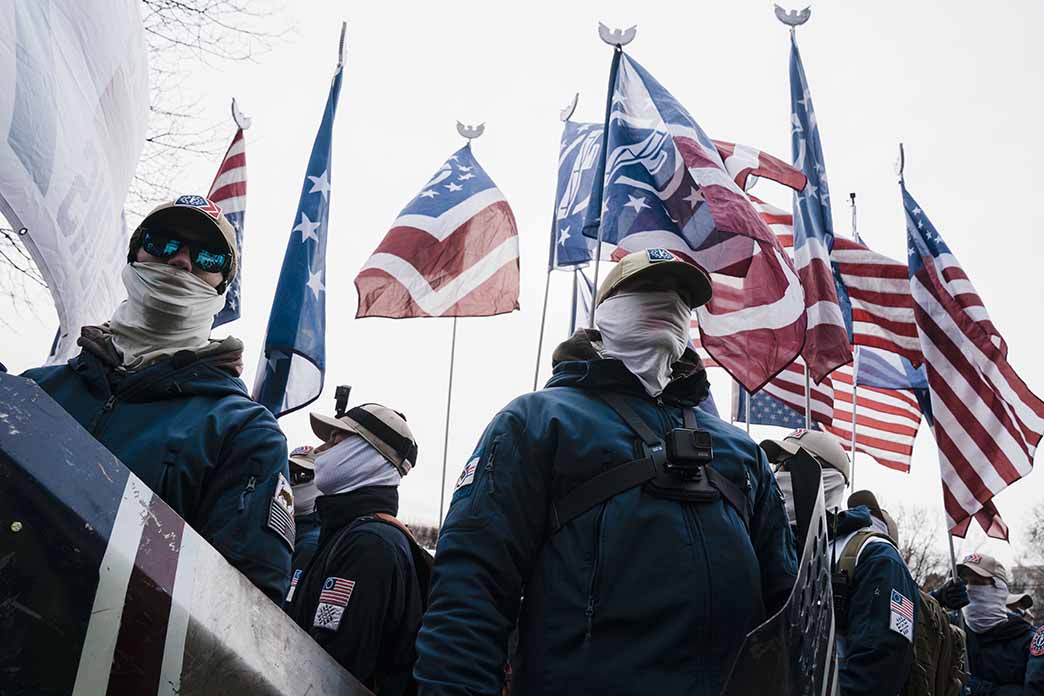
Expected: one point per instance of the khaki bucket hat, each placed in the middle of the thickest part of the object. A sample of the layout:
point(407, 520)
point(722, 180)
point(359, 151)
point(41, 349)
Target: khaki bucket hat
point(385, 429)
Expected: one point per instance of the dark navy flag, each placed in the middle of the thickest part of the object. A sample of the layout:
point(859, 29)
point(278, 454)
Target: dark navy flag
point(827, 344)
point(293, 362)
point(577, 163)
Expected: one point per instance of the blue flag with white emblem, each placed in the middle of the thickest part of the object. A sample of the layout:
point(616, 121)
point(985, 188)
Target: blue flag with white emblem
point(827, 343)
point(577, 165)
point(293, 362)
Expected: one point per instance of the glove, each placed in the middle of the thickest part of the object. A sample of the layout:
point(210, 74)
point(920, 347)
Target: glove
point(953, 595)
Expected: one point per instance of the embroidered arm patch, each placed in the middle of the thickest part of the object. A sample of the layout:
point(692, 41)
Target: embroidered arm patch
point(467, 477)
point(901, 619)
point(332, 602)
point(281, 512)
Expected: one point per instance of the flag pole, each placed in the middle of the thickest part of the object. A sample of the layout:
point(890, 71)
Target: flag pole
point(543, 321)
point(445, 438)
point(576, 289)
point(617, 39)
point(469, 133)
point(808, 399)
point(855, 360)
point(747, 405)
point(953, 575)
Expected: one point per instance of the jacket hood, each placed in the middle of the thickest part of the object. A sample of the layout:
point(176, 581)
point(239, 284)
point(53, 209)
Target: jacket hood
point(848, 521)
point(1014, 628)
point(213, 371)
point(577, 362)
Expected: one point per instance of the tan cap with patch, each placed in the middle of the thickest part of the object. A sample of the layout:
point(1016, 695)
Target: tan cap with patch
point(658, 263)
point(823, 446)
point(194, 212)
point(984, 566)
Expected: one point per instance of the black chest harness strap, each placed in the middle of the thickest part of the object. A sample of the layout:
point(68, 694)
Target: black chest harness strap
point(702, 484)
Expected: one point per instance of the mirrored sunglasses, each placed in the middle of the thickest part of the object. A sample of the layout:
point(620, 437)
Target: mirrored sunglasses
point(166, 243)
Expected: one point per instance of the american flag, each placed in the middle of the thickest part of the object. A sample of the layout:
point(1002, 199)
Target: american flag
point(577, 162)
point(665, 186)
point(336, 591)
point(293, 362)
point(229, 192)
point(829, 312)
point(903, 605)
point(743, 162)
point(782, 401)
point(987, 423)
point(453, 251)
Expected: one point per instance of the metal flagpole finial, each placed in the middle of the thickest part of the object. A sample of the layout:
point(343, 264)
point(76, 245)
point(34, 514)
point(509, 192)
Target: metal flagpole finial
point(241, 119)
point(793, 18)
point(617, 37)
point(567, 113)
point(470, 132)
point(900, 164)
point(340, 46)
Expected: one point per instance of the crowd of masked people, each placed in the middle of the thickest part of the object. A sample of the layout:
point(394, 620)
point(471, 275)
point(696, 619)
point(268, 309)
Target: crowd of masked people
point(605, 537)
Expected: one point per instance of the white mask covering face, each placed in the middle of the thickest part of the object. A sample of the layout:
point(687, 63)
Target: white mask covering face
point(167, 310)
point(304, 498)
point(351, 464)
point(833, 490)
point(647, 332)
point(987, 606)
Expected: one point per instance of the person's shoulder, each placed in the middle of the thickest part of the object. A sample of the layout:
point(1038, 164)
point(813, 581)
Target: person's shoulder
point(725, 437)
point(46, 372)
point(881, 555)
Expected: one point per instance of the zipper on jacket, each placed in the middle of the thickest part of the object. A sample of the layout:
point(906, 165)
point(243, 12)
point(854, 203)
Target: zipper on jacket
point(102, 415)
point(489, 467)
point(251, 484)
point(593, 585)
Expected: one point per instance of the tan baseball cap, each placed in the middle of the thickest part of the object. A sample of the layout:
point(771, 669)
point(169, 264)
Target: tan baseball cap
point(984, 566)
point(823, 446)
point(196, 213)
point(867, 499)
point(304, 457)
point(386, 431)
point(1020, 600)
point(658, 263)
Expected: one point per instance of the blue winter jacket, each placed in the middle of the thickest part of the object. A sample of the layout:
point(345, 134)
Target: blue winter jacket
point(188, 429)
point(876, 651)
point(639, 594)
point(1006, 660)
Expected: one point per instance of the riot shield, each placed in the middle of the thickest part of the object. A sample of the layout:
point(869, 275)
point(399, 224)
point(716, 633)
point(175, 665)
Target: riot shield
point(793, 652)
point(105, 590)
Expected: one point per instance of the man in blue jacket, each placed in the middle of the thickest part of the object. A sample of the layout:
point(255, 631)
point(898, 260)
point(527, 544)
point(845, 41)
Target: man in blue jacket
point(1005, 653)
point(166, 400)
point(632, 538)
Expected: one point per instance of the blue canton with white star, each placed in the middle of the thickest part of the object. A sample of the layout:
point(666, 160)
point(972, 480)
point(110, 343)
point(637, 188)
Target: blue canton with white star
point(294, 359)
point(459, 178)
point(577, 163)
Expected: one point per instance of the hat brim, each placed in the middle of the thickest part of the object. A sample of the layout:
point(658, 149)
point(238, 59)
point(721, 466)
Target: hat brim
point(307, 463)
point(774, 447)
point(191, 218)
point(691, 277)
point(1021, 600)
point(975, 568)
point(324, 426)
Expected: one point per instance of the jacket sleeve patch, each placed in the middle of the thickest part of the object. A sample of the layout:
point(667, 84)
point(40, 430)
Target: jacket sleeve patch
point(901, 619)
point(281, 512)
point(1037, 644)
point(467, 477)
point(332, 601)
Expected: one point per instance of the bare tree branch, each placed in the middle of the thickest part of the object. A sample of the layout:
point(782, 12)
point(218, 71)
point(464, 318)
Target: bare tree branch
point(919, 545)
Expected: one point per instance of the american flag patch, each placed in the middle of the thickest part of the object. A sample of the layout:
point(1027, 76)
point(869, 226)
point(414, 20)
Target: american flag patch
point(337, 591)
point(467, 477)
point(902, 620)
point(293, 585)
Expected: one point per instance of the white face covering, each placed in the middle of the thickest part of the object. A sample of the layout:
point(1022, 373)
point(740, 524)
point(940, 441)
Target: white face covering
point(647, 332)
point(350, 464)
point(167, 309)
point(304, 498)
point(833, 490)
point(987, 607)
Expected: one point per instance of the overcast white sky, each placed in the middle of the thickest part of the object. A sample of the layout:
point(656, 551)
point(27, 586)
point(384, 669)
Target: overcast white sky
point(957, 82)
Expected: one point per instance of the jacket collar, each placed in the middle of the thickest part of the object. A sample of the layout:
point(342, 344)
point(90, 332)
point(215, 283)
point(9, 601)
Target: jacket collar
point(336, 511)
point(578, 362)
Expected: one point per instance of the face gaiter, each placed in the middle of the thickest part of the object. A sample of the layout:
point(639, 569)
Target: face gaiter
point(351, 464)
point(647, 332)
point(833, 491)
point(987, 607)
point(167, 309)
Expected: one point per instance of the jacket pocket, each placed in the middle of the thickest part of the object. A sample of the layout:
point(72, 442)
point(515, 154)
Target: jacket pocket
point(247, 493)
point(592, 586)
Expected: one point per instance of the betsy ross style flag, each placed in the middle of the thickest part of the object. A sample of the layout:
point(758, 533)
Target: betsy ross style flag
point(829, 312)
point(229, 192)
point(293, 362)
point(987, 423)
point(664, 185)
point(452, 252)
point(577, 162)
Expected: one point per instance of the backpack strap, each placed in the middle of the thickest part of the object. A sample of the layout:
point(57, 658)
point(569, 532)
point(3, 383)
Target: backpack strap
point(636, 472)
point(422, 560)
point(846, 563)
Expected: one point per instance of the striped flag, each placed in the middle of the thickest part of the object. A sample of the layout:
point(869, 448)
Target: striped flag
point(743, 162)
point(987, 423)
point(452, 252)
point(782, 401)
point(229, 192)
point(665, 186)
point(829, 312)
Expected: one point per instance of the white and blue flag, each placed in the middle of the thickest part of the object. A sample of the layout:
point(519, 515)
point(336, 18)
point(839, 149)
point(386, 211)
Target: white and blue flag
point(577, 165)
point(293, 362)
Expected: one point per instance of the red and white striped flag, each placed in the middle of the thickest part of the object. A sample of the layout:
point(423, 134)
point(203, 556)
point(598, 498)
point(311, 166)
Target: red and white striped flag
point(229, 191)
point(743, 161)
point(452, 252)
point(987, 423)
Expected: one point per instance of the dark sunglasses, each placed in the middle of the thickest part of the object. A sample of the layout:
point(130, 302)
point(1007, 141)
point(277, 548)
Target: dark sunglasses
point(165, 243)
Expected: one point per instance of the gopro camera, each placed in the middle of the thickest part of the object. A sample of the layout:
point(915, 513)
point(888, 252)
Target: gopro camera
point(688, 449)
point(341, 399)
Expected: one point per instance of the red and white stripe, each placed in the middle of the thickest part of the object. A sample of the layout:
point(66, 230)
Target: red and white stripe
point(987, 422)
point(882, 307)
point(743, 161)
point(886, 420)
point(229, 186)
point(462, 263)
point(789, 387)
